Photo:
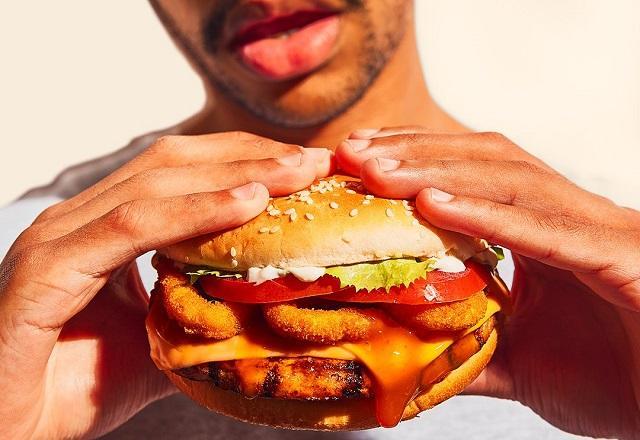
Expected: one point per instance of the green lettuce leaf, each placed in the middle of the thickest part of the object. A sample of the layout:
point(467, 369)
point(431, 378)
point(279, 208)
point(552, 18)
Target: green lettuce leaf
point(499, 252)
point(195, 273)
point(383, 274)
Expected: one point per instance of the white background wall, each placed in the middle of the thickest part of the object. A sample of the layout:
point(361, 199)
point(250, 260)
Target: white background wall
point(80, 78)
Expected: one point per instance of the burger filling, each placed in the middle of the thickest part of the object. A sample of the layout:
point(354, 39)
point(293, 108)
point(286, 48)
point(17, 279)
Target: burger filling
point(385, 330)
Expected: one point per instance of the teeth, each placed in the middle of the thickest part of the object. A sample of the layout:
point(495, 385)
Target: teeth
point(285, 34)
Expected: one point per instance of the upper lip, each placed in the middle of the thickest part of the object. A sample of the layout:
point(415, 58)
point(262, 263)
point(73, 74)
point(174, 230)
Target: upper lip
point(248, 28)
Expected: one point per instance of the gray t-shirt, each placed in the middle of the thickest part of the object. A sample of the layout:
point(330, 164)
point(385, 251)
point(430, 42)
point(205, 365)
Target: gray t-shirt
point(462, 417)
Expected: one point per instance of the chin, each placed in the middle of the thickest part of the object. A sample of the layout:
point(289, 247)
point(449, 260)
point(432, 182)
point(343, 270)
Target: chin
point(332, 310)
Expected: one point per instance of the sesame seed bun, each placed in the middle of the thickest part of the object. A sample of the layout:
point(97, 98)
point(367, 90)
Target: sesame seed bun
point(333, 222)
point(345, 414)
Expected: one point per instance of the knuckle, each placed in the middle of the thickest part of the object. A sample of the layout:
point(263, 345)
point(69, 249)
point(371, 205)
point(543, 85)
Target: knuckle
point(144, 184)
point(412, 139)
point(165, 143)
point(126, 217)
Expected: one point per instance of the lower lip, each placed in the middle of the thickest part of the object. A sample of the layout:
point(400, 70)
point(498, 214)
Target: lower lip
point(279, 59)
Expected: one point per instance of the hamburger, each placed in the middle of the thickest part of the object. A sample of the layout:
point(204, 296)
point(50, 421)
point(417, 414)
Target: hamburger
point(331, 310)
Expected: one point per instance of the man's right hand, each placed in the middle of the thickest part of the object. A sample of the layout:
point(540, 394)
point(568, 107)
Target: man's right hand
point(74, 356)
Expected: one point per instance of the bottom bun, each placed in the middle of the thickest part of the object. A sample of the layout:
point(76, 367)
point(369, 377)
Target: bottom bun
point(341, 415)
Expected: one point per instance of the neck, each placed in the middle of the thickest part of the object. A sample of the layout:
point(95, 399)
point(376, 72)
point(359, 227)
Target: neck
point(398, 96)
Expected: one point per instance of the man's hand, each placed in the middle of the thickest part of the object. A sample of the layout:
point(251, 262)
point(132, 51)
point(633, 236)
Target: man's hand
point(74, 356)
point(571, 349)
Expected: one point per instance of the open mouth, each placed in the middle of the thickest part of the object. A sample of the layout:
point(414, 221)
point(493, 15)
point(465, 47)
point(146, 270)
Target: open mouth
point(286, 46)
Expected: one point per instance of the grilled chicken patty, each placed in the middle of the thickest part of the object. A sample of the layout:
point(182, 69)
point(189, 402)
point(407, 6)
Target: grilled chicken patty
point(310, 378)
point(306, 378)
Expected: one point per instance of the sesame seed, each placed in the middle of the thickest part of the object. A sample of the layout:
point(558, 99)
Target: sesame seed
point(263, 230)
point(393, 202)
point(293, 217)
point(353, 212)
point(309, 216)
point(270, 208)
point(350, 191)
point(305, 193)
point(389, 212)
point(275, 229)
point(343, 184)
point(333, 205)
point(366, 202)
point(405, 202)
point(369, 197)
point(309, 201)
point(290, 211)
point(274, 212)
point(234, 263)
point(233, 252)
point(408, 213)
point(415, 222)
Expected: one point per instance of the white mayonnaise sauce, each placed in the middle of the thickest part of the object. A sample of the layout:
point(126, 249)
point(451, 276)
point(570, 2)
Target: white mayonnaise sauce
point(259, 275)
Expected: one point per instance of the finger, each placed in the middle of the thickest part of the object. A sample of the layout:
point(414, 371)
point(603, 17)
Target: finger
point(557, 239)
point(517, 183)
point(503, 182)
point(57, 279)
point(368, 133)
point(176, 151)
point(352, 153)
point(281, 176)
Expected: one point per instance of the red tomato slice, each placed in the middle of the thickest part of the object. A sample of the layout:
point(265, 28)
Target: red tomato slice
point(286, 288)
point(445, 287)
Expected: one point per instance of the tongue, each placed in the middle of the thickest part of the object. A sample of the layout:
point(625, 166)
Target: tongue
point(300, 53)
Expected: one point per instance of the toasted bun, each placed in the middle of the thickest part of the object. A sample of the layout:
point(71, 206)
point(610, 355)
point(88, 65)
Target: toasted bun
point(341, 415)
point(337, 227)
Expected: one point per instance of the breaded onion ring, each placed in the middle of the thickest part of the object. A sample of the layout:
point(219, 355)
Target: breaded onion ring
point(195, 314)
point(456, 315)
point(318, 325)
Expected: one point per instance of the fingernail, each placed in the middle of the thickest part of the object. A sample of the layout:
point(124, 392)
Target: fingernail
point(364, 133)
point(387, 164)
point(292, 160)
point(440, 196)
point(244, 192)
point(320, 155)
point(358, 144)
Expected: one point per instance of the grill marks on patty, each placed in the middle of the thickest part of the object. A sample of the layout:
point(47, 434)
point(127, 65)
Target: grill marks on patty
point(309, 378)
point(304, 378)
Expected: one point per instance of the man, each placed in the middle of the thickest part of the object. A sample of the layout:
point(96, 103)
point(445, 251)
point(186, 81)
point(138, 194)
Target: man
point(73, 359)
